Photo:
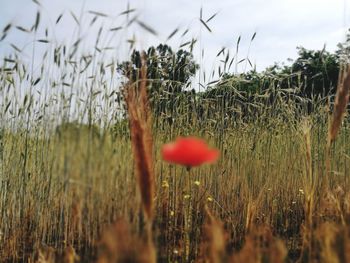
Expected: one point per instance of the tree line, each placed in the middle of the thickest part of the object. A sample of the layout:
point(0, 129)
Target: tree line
point(307, 80)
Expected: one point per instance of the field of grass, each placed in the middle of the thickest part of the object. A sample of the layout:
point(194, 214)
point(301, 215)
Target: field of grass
point(70, 174)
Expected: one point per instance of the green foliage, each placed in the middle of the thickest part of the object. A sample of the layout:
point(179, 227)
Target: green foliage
point(318, 71)
point(312, 76)
point(167, 70)
point(168, 73)
point(313, 73)
point(309, 78)
point(343, 51)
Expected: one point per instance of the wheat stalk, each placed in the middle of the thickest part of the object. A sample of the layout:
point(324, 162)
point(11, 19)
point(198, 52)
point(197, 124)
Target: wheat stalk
point(141, 138)
point(341, 100)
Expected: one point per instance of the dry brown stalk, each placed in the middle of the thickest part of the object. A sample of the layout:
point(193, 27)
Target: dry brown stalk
point(333, 243)
point(261, 246)
point(215, 234)
point(69, 255)
point(309, 185)
point(118, 244)
point(45, 254)
point(251, 209)
point(141, 138)
point(341, 100)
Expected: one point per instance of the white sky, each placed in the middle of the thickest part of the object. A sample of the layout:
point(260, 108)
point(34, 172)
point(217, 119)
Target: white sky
point(281, 25)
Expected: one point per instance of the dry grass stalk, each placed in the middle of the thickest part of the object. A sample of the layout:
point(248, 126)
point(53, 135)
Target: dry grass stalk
point(333, 241)
point(261, 246)
point(346, 207)
point(140, 127)
point(119, 245)
point(251, 210)
point(69, 255)
point(75, 217)
point(45, 254)
point(307, 229)
point(341, 101)
point(141, 139)
point(309, 185)
point(309, 180)
point(215, 239)
point(247, 254)
point(329, 207)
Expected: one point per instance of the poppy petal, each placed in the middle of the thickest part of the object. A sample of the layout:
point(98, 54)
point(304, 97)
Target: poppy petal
point(189, 151)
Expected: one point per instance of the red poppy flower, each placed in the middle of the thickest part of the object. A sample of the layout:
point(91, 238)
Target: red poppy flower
point(189, 151)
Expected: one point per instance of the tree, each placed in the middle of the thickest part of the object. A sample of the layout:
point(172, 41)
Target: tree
point(314, 74)
point(317, 70)
point(166, 69)
point(343, 51)
point(168, 74)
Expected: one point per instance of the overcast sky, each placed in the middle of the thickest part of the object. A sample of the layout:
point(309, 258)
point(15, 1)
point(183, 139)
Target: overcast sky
point(280, 25)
